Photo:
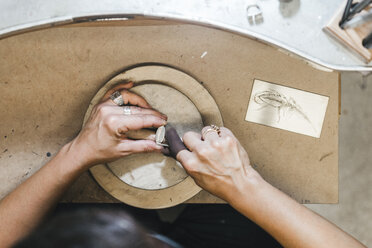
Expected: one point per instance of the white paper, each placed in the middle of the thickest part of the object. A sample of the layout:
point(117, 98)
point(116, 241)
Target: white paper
point(287, 108)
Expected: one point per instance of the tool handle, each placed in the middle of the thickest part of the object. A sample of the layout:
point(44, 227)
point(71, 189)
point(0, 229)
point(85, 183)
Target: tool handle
point(174, 141)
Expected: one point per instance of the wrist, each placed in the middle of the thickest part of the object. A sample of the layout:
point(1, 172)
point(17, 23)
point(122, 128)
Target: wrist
point(247, 187)
point(72, 156)
point(253, 196)
point(66, 165)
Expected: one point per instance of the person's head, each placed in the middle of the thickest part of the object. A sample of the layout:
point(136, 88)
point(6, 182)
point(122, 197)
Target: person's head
point(91, 228)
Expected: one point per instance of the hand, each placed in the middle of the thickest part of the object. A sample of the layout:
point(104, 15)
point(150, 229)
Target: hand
point(103, 137)
point(218, 163)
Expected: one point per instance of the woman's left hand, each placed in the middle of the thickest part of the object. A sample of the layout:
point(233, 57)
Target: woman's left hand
point(104, 138)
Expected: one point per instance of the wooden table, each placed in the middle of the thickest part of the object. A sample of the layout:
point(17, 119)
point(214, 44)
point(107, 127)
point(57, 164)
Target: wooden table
point(48, 77)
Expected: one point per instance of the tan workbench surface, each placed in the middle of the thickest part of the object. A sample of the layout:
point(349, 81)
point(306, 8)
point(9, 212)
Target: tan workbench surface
point(47, 79)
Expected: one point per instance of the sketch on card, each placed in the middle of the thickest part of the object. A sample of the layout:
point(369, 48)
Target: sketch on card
point(283, 104)
point(286, 108)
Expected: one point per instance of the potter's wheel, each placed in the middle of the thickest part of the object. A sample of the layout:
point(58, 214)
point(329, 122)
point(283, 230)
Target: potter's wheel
point(152, 180)
point(153, 171)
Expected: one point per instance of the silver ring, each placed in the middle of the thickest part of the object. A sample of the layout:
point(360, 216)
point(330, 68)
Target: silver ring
point(127, 110)
point(117, 98)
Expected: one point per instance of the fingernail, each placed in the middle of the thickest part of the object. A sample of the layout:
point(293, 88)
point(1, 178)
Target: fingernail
point(164, 122)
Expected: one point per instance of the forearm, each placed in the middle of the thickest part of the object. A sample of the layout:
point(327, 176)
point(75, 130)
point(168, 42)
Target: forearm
point(26, 206)
point(290, 223)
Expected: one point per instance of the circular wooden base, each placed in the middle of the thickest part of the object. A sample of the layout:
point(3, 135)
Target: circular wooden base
point(153, 171)
point(209, 112)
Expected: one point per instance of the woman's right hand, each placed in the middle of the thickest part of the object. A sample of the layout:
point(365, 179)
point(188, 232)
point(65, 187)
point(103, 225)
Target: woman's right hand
point(218, 163)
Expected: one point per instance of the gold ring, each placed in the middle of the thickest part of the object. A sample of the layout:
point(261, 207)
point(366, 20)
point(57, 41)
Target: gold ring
point(216, 128)
point(213, 128)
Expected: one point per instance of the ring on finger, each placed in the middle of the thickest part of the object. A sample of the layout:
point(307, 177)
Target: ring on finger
point(213, 128)
point(127, 110)
point(216, 128)
point(117, 98)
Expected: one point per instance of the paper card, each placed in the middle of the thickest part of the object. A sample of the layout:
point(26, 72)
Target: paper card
point(286, 108)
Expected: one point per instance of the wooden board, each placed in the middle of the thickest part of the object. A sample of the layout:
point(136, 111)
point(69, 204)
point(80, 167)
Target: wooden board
point(207, 112)
point(48, 77)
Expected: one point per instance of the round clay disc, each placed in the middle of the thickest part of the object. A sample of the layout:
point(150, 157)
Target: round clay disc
point(209, 112)
point(154, 171)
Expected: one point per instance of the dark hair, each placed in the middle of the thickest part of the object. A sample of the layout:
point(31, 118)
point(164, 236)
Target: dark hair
point(91, 228)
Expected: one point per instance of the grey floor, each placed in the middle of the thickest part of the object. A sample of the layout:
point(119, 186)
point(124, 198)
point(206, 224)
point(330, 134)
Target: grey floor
point(354, 211)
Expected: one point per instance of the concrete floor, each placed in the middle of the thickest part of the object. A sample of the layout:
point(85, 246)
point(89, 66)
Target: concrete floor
point(354, 211)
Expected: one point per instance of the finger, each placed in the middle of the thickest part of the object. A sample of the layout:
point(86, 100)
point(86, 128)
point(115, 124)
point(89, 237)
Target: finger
point(118, 87)
point(174, 141)
point(138, 146)
point(137, 122)
point(226, 132)
point(145, 111)
point(118, 110)
point(129, 98)
point(143, 134)
point(134, 99)
point(188, 160)
point(192, 140)
point(209, 134)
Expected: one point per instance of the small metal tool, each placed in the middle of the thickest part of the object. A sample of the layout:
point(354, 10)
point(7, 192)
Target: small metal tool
point(160, 137)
